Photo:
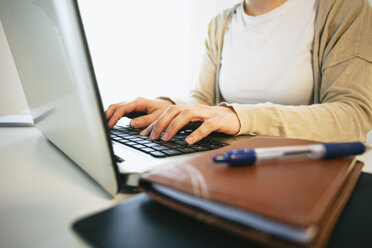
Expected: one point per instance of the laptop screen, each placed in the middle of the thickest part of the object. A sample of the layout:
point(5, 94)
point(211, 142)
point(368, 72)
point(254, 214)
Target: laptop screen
point(50, 52)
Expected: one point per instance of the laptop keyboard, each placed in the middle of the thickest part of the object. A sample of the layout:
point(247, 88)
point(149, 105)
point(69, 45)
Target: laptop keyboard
point(160, 149)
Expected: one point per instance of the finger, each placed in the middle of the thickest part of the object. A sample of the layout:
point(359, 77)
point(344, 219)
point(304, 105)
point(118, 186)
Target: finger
point(143, 121)
point(120, 111)
point(164, 120)
point(183, 119)
point(147, 131)
point(204, 130)
point(110, 110)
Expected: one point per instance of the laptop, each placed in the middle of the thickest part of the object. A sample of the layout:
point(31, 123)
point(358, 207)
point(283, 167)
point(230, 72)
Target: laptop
point(50, 51)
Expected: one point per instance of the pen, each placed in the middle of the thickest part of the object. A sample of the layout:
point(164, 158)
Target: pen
point(317, 151)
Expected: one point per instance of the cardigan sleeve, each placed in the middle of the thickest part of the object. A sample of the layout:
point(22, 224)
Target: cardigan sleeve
point(344, 113)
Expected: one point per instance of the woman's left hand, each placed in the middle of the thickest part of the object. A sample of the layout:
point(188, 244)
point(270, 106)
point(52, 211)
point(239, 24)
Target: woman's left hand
point(212, 118)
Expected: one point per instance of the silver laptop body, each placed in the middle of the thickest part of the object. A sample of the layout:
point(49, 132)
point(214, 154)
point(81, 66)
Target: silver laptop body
point(50, 51)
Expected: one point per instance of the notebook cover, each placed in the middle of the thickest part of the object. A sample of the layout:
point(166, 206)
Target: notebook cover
point(142, 222)
point(298, 193)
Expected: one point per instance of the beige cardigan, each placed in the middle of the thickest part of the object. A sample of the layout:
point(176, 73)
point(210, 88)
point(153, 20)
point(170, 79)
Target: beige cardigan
point(342, 66)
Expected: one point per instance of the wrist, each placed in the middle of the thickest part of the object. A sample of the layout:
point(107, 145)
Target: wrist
point(233, 119)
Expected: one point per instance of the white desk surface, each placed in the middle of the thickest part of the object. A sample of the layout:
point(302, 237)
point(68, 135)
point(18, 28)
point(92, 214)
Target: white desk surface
point(42, 192)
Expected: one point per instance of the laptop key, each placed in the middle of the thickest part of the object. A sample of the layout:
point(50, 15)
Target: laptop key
point(122, 141)
point(172, 152)
point(199, 148)
point(158, 154)
point(139, 146)
point(172, 145)
point(147, 149)
point(181, 142)
point(132, 133)
point(150, 144)
point(215, 146)
point(119, 128)
point(159, 147)
point(186, 150)
point(130, 143)
point(144, 142)
point(123, 135)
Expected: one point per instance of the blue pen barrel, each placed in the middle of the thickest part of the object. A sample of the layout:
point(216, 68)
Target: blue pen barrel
point(316, 151)
point(336, 150)
point(246, 156)
point(237, 157)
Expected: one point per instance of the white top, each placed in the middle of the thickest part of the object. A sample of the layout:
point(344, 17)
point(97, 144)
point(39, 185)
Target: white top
point(267, 58)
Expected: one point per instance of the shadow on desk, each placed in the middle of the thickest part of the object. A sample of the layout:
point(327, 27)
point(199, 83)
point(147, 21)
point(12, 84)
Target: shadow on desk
point(142, 222)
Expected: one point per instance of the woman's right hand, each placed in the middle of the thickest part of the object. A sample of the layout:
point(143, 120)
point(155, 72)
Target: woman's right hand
point(152, 110)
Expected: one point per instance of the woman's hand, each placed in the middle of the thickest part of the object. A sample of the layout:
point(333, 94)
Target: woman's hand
point(213, 118)
point(151, 110)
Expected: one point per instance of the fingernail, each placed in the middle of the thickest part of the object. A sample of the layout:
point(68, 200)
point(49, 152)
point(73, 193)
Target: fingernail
point(165, 137)
point(133, 123)
point(152, 136)
point(189, 140)
point(142, 133)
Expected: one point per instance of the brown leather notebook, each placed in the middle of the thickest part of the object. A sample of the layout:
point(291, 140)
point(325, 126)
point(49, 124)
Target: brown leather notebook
point(282, 204)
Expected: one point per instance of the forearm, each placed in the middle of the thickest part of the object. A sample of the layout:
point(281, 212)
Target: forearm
point(344, 114)
point(320, 122)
